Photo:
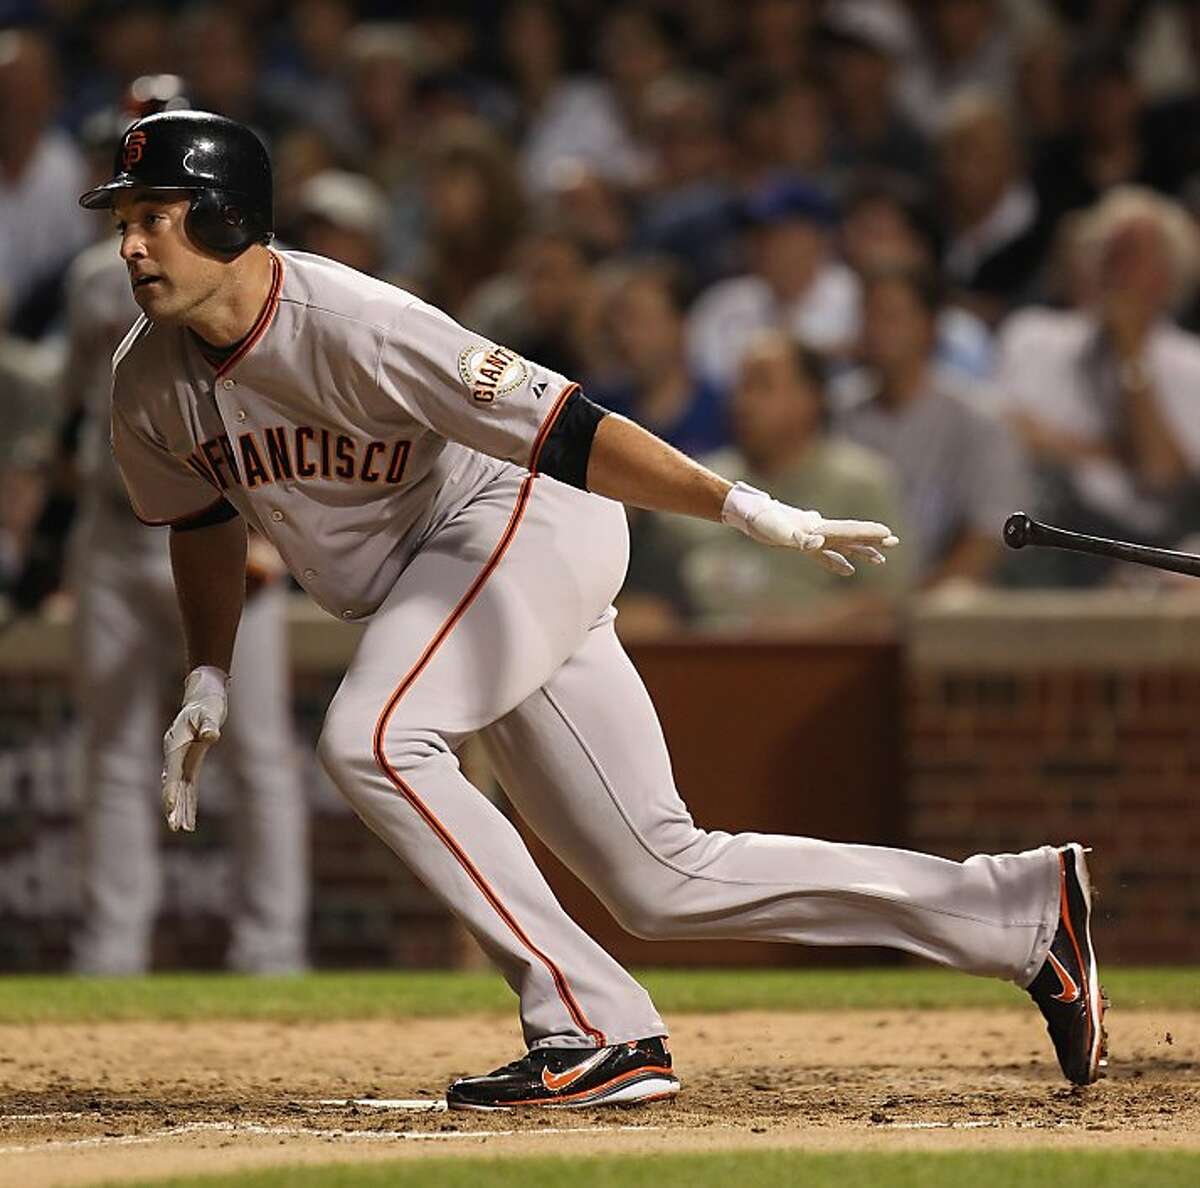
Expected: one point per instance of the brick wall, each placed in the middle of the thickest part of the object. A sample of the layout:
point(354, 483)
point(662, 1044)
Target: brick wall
point(1024, 720)
point(1003, 761)
point(1083, 730)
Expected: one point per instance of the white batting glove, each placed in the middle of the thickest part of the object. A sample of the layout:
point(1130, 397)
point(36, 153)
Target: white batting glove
point(828, 542)
point(196, 727)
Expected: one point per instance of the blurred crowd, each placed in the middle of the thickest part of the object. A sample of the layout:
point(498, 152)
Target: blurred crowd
point(927, 262)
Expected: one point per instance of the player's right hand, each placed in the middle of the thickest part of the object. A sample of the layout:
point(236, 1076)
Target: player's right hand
point(196, 727)
point(830, 542)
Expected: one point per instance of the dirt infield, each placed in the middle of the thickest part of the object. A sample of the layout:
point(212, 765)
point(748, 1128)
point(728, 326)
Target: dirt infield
point(85, 1103)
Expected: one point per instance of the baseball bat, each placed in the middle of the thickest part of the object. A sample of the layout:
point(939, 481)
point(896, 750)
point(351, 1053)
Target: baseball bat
point(1021, 530)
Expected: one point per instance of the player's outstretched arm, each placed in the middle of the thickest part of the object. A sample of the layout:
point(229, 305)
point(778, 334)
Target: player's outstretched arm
point(630, 464)
point(210, 583)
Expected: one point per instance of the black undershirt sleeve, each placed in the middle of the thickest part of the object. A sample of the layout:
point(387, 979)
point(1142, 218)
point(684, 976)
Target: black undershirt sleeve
point(220, 511)
point(568, 446)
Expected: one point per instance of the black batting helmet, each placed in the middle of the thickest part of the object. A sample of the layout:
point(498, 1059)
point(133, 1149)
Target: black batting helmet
point(219, 161)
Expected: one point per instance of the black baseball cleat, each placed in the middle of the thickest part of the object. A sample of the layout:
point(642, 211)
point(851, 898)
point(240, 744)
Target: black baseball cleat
point(1067, 987)
point(570, 1078)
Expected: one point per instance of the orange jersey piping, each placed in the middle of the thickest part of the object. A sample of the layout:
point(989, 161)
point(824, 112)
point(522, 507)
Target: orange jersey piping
point(427, 814)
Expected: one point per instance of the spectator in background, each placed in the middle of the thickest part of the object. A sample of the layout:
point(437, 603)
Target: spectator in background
point(121, 40)
point(344, 216)
point(1104, 146)
point(689, 211)
point(562, 118)
point(795, 283)
point(997, 233)
point(1153, 32)
point(299, 154)
point(887, 224)
point(1042, 96)
point(475, 209)
point(1107, 396)
point(450, 30)
point(653, 382)
point(385, 64)
point(459, 36)
point(866, 42)
point(961, 471)
point(780, 127)
point(638, 45)
point(594, 209)
point(781, 444)
point(778, 36)
point(41, 172)
point(1172, 124)
point(539, 307)
point(966, 47)
point(308, 82)
point(219, 54)
point(803, 131)
point(708, 32)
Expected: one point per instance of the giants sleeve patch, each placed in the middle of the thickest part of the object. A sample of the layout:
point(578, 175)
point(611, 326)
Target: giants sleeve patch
point(491, 371)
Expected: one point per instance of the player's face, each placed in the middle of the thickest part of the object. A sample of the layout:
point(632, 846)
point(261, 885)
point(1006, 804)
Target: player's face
point(169, 275)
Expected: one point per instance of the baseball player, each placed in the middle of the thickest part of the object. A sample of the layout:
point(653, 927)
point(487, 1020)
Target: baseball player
point(126, 622)
point(465, 503)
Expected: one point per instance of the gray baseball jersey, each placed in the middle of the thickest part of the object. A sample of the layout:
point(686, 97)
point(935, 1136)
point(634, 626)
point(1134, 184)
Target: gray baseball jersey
point(391, 455)
point(349, 424)
point(126, 621)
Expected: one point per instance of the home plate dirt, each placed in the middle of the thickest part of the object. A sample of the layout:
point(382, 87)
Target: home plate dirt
point(84, 1103)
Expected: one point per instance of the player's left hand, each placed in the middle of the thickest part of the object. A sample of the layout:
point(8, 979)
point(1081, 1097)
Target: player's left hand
point(832, 543)
point(196, 727)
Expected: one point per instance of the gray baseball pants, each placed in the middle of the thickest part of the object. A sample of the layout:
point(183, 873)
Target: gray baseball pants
point(502, 625)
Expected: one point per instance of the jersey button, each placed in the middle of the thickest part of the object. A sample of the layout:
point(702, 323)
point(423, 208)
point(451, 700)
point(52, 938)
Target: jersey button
point(277, 516)
point(227, 384)
point(240, 415)
point(347, 614)
point(309, 574)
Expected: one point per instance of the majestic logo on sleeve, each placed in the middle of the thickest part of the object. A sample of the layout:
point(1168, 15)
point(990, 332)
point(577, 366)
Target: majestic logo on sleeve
point(491, 371)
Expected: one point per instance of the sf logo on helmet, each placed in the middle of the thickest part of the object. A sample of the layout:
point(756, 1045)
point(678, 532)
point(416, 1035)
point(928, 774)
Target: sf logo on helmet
point(135, 142)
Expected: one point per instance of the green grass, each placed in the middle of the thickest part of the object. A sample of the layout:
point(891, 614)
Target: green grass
point(758, 1169)
point(329, 996)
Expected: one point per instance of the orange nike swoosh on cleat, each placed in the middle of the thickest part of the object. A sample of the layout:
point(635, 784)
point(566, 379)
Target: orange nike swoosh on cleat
point(1070, 988)
point(557, 1081)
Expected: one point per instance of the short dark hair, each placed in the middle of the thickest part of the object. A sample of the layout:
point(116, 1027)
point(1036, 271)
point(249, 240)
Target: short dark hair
point(811, 367)
point(904, 193)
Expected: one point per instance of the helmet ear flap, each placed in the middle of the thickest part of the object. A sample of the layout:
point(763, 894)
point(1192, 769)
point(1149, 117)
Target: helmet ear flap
point(217, 223)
